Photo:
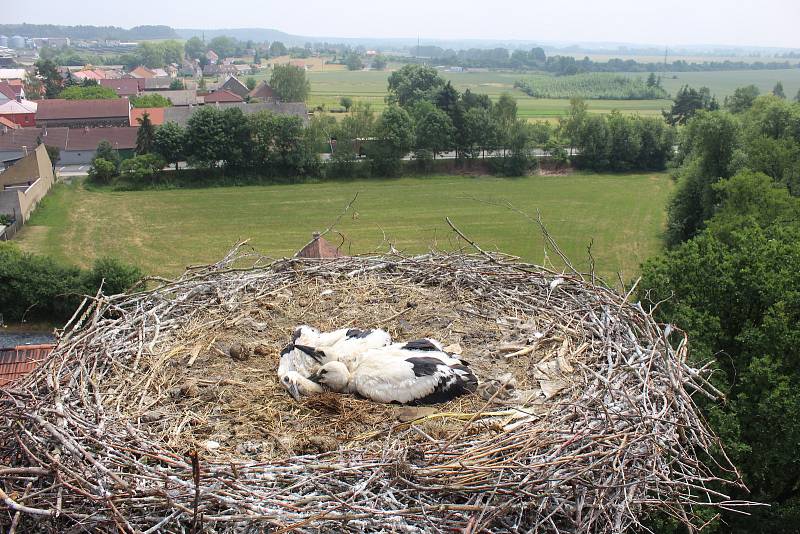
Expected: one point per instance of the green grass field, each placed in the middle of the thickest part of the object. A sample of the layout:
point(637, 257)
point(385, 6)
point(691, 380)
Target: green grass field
point(164, 231)
point(724, 83)
point(370, 86)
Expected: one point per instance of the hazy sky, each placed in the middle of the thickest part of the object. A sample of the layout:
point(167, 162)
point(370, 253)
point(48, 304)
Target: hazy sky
point(675, 22)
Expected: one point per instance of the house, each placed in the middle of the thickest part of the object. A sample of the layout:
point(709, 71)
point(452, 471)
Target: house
point(22, 113)
point(181, 115)
point(124, 87)
point(5, 124)
point(77, 145)
point(179, 97)
point(233, 85)
point(142, 72)
point(88, 74)
point(25, 183)
point(263, 92)
point(13, 74)
point(156, 116)
point(158, 83)
point(16, 362)
point(211, 69)
point(319, 248)
point(191, 69)
point(222, 96)
point(13, 90)
point(160, 73)
point(212, 57)
point(84, 113)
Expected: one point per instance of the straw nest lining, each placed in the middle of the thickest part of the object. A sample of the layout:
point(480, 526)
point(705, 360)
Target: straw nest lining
point(142, 421)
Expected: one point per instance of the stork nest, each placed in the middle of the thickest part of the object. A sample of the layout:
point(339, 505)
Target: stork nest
point(160, 411)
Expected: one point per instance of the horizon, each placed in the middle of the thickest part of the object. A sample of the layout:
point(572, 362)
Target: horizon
point(766, 24)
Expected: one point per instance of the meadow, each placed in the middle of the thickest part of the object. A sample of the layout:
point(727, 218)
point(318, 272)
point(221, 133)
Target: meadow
point(370, 86)
point(163, 231)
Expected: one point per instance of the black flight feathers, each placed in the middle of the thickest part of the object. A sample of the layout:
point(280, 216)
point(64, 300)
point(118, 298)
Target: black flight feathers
point(358, 333)
point(318, 355)
point(454, 380)
point(420, 344)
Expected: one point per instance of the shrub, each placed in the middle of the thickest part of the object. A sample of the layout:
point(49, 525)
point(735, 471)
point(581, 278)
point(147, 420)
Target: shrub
point(102, 171)
point(144, 167)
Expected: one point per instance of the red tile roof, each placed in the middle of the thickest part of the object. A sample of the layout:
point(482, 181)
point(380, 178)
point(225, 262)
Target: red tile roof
point(68, 138)
point(19, 361)
point(223, 95)
point(10, 91)
point(156, 115)
point(142, 72)
point(263, 91)
point(319, 248)
point(123, 86)
point(58, 108)
point(7, 123)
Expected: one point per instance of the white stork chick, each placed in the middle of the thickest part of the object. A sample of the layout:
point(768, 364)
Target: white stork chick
point(302, 357)
point(396, 374)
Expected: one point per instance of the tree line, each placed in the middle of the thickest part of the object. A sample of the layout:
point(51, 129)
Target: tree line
point(537, 59)
point(731, 280)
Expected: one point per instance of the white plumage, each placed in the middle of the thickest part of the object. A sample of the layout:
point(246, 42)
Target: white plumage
point(417, 372)
point(304, 355)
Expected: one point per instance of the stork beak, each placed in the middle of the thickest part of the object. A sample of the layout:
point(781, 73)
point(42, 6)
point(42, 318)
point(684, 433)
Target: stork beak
point(316, 377)
point(294, 391)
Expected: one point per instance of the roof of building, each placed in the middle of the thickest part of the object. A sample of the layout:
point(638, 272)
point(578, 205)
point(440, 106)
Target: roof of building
point(12, 74)
point(58, 108)
point(9, 124)
point(159, 82)
point(235, 86)
point(222, 95)
point(19, 361)
point(122, 86)
point(8, 90)
point(156, 115)
point(181, 115)
point(28, 169)
point(142, 72)
point(319, 248)
point(122, 138)
point(12, 107)
point(89, 74)
point(178, 97)
point(262, 91)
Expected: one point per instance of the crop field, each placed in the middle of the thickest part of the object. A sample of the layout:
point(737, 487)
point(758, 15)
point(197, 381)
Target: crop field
point(724, 83)
point(163, 231)
point(595, 85)
point(370, 86)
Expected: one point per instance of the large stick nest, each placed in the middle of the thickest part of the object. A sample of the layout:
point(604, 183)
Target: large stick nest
point(141, 421)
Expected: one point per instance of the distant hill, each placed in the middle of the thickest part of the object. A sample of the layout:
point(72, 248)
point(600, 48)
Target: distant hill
point(249, 34)
point(137, 33)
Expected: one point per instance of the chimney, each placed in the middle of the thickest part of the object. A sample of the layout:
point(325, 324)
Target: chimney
point(25, 149)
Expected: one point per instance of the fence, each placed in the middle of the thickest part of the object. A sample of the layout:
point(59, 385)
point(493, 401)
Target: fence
point(7, 233)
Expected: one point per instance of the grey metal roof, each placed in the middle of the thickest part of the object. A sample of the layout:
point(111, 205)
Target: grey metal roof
point(181, 114)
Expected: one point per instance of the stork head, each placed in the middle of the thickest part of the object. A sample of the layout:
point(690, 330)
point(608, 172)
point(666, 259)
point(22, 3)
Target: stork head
point(333, 375)
point(291, 384)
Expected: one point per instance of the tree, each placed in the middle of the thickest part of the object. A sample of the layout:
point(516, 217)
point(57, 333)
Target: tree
point(250, 83)
point(346, 102)
point(102, 171)
point(145, 135)
point(652, 81)
point(205, 137)
point(505, 110)
point(379, 62)
point(289, 83)
point(108, 153)
point(169, 143)
point(593, 143)
point(277, 49)
point(688, 102)
point(413, 83)
point(223, 46)
point(741, 99)
point(573, 125)
point(797, 96)
point(395, 137)
point(477, 132)
point(177, 85)
point(195, 48)
point(434, 131)
point(778, 90)
point(48, 70)
point(91, 92)
point(710, 152)
point(142, 167)
point(150, 101)
point(354, 62)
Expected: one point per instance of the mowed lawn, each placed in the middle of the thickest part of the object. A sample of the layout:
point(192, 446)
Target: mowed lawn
point(164, 231)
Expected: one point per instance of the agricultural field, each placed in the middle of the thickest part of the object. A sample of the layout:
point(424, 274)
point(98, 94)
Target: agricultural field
point(724, 83)
point(370, 86)
point(596, 85)
point(163, 231)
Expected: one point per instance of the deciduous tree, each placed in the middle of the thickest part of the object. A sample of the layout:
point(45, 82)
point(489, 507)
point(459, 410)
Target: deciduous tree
point(289, 83)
